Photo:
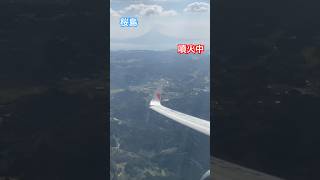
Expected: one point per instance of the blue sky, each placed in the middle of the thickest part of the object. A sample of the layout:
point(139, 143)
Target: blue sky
point(184, 21)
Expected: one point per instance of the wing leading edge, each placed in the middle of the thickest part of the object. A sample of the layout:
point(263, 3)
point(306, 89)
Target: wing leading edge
point(195, 123)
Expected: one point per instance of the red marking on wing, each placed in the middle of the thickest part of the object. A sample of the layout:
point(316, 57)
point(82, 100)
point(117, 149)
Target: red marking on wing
point(158, 95)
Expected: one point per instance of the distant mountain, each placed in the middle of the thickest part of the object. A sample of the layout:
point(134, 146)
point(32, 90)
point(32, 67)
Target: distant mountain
point(152, 40)
point(149, 38)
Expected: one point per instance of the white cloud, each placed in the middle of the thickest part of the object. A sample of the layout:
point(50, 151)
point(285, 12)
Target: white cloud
point(183, 27)
point(114, 13)
point(197, 7)
point(146, 10)
point(158, 0)
point(139, 1)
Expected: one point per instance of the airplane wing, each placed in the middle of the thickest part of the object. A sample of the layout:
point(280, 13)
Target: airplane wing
point(195, 123)
point(222, 170)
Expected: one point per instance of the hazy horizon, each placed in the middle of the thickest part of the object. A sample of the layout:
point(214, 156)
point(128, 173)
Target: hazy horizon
point(161, 24)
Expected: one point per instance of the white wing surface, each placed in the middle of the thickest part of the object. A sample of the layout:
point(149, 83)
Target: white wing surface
point(195, 123)
point(222, 170)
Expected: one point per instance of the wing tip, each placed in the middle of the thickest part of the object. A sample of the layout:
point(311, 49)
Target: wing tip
point(156, 100)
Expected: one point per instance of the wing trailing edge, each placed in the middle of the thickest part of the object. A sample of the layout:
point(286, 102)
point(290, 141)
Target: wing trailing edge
point(195, 123)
